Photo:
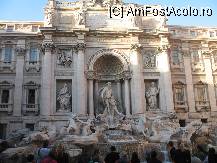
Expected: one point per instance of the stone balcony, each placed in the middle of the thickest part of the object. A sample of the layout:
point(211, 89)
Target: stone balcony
point(202, 106)
point(30, 108)
point(6, 108)
point(7, 65)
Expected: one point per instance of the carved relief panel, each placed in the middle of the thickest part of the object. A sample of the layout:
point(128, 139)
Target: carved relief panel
point(64, 58)
point(149, 60)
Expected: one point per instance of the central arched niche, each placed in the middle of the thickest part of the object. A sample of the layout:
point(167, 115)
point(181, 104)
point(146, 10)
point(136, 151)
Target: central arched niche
point(108, 68)
point(108, 65)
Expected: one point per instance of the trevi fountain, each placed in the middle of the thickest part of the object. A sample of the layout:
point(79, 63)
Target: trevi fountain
point(128, 134)
point(90, 78)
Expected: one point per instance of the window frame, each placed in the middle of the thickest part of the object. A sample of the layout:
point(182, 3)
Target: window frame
point(176, 86)
point(205, 103)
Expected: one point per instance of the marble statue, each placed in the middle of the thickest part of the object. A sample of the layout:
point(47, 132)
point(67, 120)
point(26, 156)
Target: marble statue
point(81, 16)
point(106, 2)
point(48, 16)
point(151, 95)
point(64, 97)
point(111, 110)
point(86, 127)
point(139, 126)
point(73, 127)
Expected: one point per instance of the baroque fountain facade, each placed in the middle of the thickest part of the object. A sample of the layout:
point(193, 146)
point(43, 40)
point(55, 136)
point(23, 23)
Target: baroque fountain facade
point(85, 77)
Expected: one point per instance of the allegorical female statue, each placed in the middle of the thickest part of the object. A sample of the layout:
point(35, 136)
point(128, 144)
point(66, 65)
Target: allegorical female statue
point(111, 111)
point(64, 97)
point(151, 95)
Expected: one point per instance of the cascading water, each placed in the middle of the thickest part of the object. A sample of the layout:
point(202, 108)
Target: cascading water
point(165, 154)
point(166, 157)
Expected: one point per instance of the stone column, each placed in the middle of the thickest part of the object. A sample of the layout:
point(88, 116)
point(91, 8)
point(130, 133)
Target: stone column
point(90, 77)
point(189, 80)
point(96, 93)
point(81, 81)
point(137, 82)
point(46, 78)
point(18, 94)
point(126, 95)
point(119, 90)
point(91, 106)
point(165, 82)
point(209, 80)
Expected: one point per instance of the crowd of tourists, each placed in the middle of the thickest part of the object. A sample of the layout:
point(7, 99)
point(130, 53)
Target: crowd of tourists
point(179, 154)
point(46, 154)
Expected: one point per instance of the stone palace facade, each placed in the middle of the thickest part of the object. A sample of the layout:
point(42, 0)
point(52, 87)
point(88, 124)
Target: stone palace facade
point(56, 67)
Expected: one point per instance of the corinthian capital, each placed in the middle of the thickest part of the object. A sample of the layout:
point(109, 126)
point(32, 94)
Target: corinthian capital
point(127, 75)
point(136, 46)
point(20, 50)
point(80, 46)
point(163, 48)
point(47, 45)
point(90, 75)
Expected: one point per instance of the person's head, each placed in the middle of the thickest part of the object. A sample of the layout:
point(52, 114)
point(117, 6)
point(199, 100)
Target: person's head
point(30, 158)
point(135, 156)
point(181, 145)
point(60, 148)
point(96, 152)
point(170, 144)
point(52, 153)
point(211, 151)
point(113, 149)
point(153, 154)
point(4, 144)
point(45, 144)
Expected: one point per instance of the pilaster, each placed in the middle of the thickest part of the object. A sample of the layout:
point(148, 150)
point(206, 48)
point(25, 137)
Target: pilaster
point(47, 78)
point(18, 94)
point(188, 77)
point(137, 82)
point(165, 82)
point(209, 75)
point(81, 79)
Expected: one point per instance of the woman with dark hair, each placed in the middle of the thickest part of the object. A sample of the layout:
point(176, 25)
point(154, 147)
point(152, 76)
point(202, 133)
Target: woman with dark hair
point(50, 158)
point(212, 157)
point(135, 158)
point(61, 155)
point(153, 158)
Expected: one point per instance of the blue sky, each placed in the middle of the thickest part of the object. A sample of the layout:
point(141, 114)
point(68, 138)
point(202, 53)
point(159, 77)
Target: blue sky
point(31, 10)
